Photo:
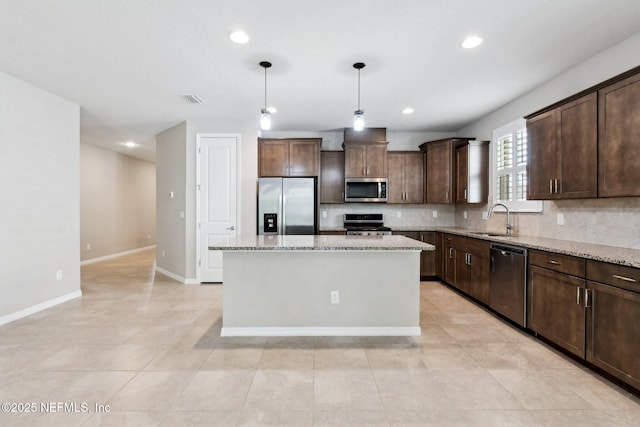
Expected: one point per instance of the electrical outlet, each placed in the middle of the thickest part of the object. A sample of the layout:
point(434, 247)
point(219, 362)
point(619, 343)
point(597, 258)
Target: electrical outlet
point(435, 214)
point(148, 236)
point(399, 214)
point(171, 194)
point(465, 214)
point(335, 297)
point(181, 214)
point(59, 275)
point(88, 246)
point(324, 214)
point(560, 219)
point(485, 215)
point(163, 253)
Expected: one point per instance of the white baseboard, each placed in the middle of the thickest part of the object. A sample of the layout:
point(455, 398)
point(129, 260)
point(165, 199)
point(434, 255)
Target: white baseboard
point(391, 331)
point(176, 277)
point(39, 307)
point(119, 254)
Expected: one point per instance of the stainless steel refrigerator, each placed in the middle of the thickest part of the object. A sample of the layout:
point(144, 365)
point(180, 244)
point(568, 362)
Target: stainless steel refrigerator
point(287, 205)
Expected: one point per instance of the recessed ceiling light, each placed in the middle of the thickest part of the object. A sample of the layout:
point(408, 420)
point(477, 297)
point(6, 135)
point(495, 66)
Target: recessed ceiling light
point(129, 144)
point(407, 110)
point(239, 37)
point(471, 42)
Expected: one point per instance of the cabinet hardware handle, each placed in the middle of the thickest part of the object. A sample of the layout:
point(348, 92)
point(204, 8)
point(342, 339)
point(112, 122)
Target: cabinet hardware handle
point(553, 262)
point(578, 295)
point(556, 183)
point(446, 196)
point(450, 252)
point(626, 279)
point(469, 262)
point(551, 186)
point(465, 194)
point(586, 298)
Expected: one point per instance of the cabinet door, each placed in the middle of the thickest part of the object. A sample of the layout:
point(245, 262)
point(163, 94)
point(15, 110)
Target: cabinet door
point(463, 279)
point(332, 177)
point(439, 178)
point(462, 173)
point(376, 160)
point(619, 139)
point(542, 155)
point(449, 263)
point(479, 267)
point(555, 308)
point(273, 158)
point(429, 260)
point(613, 333)
point(396, 192)
point(578, 148)
point(304, 157)
point(355, 160)
point(413, 177)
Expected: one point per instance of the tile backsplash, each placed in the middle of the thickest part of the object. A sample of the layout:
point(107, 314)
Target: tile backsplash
point(610, 221)
point(410, 215)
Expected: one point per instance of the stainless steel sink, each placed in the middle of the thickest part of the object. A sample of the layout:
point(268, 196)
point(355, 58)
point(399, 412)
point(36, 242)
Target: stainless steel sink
point(488, 234)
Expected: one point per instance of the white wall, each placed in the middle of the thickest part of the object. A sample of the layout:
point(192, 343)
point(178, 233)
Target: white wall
point(39, 183)
point(603, 221)
point(117, 202)
point(176, 171)
point(171, 167)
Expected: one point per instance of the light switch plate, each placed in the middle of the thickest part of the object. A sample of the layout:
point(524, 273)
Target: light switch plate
point(435, 214)
point(399, 214)
point(560, 219)
point(465, 214)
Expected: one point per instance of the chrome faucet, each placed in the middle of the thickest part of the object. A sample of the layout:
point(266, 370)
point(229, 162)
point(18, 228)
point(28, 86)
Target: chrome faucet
point(509, 226)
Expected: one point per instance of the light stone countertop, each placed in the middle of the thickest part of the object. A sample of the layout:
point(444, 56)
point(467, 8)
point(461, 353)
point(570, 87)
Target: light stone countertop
point(322, 243)
point(604, 253)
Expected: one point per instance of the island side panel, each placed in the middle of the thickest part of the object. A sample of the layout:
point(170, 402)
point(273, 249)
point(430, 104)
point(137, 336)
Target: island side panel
point(291, 289)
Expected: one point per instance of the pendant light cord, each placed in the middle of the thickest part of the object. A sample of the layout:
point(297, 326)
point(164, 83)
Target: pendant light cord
point(265, 88)
point(358, 88)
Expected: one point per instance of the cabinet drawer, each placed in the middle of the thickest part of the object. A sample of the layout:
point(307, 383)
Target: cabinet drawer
point(561, 263)
point(471, 243)
point(614, 275)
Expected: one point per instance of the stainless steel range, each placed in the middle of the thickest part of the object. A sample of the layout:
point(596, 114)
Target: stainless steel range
point(365, 225)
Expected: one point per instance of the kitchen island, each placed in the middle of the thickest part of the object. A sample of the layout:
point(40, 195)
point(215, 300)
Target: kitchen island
point(321, 285)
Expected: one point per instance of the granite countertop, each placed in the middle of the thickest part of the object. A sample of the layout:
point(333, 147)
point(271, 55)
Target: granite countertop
point(611, 254)
point(322, 243)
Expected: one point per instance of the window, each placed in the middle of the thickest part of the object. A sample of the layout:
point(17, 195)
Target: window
point(510, 168)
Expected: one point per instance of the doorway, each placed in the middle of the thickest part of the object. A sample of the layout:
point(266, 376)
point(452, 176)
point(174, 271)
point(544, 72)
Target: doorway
point(216, 169)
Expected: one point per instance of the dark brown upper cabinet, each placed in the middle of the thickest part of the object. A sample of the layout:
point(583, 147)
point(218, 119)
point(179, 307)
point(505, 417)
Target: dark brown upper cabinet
point(563, 150)
point(619, 138)
point(472, 172)
point(440, 173)
point(288, 157)
point(406, 176)
point(332, 177)
point(365, 159)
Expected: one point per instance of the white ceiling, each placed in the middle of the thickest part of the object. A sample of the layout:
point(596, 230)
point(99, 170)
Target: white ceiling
point(126, 62)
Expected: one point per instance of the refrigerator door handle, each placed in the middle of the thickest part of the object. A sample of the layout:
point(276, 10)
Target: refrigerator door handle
point(284, 214)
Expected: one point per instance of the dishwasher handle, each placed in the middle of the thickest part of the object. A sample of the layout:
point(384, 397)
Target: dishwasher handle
point(506, 249)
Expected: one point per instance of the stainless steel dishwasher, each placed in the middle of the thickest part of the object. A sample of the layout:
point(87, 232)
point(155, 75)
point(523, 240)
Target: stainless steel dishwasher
point(508, 283)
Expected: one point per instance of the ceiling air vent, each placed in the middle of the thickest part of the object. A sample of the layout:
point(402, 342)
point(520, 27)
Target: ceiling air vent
point(194, 99)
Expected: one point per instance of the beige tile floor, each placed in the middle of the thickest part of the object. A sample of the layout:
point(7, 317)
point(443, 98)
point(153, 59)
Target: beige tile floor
point(150, 348)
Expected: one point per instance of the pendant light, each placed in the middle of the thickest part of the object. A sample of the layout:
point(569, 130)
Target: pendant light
point(358, 115)
point(265, 116)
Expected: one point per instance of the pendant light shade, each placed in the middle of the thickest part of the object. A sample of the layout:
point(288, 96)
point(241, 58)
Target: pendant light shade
point(358, 115)
point(265, 116)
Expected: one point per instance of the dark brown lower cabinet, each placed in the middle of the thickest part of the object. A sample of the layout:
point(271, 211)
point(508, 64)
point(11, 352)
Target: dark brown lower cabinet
point(555, 308)
point(449, 262)
point(466, 265)
point(613, 320)
point(430, 261)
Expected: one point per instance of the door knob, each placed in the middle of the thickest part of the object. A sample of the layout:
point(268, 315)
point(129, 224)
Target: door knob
point(231, 228)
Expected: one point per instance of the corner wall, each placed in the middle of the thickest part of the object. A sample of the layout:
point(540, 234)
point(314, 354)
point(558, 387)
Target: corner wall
point(39, 183)
point(611, 221)
point(117, 202)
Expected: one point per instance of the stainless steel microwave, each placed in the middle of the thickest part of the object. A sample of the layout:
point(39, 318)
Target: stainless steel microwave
point(365, 190)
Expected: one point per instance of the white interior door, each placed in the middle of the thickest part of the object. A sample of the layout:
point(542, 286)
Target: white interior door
point(218, 222)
